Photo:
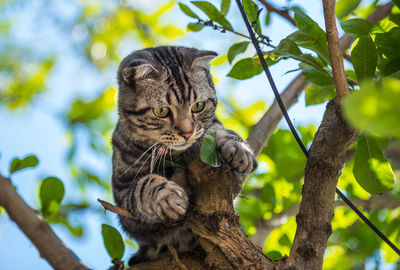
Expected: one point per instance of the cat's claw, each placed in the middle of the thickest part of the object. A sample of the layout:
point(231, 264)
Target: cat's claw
point(171, 203)
point(238, 156)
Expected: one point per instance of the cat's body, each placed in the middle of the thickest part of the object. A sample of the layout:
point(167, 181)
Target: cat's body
point(166, 105)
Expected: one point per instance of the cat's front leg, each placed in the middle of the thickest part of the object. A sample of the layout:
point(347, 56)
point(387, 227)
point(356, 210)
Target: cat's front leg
point(235, 152)
point(157, 200)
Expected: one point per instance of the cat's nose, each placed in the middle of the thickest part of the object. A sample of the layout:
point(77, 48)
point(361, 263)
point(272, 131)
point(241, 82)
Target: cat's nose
point(186, 135)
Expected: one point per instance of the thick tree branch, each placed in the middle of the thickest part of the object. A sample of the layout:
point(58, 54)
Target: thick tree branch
point(335, 55)
point(281, 12)
point(51, 248)
point(326, 158)
point(213, 219)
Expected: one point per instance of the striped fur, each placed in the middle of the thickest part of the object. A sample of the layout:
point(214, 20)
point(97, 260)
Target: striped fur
point(176, 78)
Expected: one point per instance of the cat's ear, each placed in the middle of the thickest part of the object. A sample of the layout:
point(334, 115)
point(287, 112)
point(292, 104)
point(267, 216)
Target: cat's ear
point(137, 69)
point(202, 59)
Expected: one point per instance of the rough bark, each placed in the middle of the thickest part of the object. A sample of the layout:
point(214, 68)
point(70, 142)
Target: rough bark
point(51, 248)
point(324, 165)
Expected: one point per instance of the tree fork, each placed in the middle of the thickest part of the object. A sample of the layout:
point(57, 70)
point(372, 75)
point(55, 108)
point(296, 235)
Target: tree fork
point(213, 219)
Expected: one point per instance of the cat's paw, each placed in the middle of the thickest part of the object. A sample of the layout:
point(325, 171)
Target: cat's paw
point(237, 155)
point(171, 202)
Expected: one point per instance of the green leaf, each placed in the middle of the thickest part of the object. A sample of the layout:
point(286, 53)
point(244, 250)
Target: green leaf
point(293, 157)
point(397, 2)
point(345, 7)
point(236, 49)
point(288, 48)
point(274, 255)
point(312, 37)
point(194, 27)
point(245, 68)
point(358, 27)
point(27, 162)
point(51, 193)
point(391, 67)
point(112, 241)
point(395, 75)
point(317, 77)
point(268, 17)
point(371, 169)
point(389, 43)
point(301, 18)
point(185, 9)
point(251, 10)
point(316, 94)
point(208, 149)
point(213, 13)
point(375, 107)
point(364, 58)
point(225, 4)
point(395, 18)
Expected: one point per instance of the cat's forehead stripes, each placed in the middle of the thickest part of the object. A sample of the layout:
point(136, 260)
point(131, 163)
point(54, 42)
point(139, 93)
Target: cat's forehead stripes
point(177, 78)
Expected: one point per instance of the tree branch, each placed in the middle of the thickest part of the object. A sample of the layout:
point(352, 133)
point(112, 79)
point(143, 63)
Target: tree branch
point(325, 162)
point(213, 219)
point(335, 55)
point(51, 248)
point(281, 12)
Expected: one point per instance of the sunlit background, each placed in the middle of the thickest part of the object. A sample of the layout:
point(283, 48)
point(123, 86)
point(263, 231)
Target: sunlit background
point(58, 62)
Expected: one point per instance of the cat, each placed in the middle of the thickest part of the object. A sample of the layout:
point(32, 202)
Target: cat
point(166, 105)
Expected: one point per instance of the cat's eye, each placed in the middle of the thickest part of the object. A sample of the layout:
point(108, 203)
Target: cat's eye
point(198, 106)
point(161, 111)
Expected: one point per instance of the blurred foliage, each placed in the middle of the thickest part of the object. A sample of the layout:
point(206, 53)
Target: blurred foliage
point(20, 164)
point(101, 33)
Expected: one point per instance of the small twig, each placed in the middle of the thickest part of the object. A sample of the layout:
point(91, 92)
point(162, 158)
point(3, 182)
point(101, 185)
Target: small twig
point(117, 265)
point(347, 57)
point(176, 258)
point(281, 12)
point(335, 54)
point(262, 39)
point(125, 213)
point(115, 209)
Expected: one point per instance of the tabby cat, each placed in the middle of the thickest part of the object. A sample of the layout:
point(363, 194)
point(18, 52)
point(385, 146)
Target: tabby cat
point(166, 105)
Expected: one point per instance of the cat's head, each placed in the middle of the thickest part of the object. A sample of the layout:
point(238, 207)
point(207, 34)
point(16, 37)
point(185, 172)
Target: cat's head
point(166, 95)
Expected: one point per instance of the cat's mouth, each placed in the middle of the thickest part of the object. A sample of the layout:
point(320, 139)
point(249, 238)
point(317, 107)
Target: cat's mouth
point(180, 147)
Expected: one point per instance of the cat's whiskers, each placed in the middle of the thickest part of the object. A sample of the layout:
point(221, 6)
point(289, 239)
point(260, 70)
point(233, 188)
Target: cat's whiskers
point(133, 164)
point(156, 147)
point(165, 155)
point(160, 153)
point(170, 156)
